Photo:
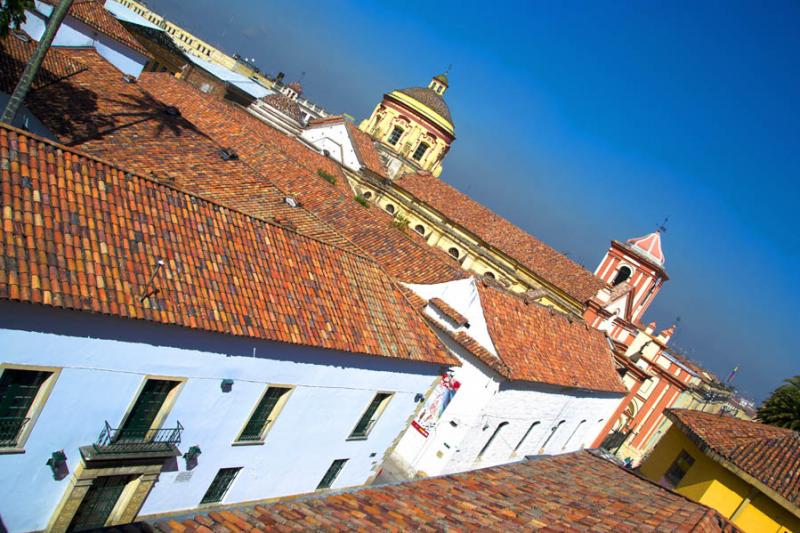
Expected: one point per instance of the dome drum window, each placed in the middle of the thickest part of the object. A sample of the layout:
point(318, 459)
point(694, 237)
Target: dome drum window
point(367, 194)
point(397, 132)
point(420, 151)
point(454, 252)
point(419, 228)
point(389, 208)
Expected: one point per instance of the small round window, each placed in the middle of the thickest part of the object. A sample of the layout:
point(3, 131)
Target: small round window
point(367, 194)
point(419, 228)
point(489, 274)
point(454, 252)
point(389, 208)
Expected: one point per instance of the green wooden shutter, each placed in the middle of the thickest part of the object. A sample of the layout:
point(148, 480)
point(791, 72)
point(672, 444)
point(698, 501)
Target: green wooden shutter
point(364, 424)
point(220, 485)
point(261, 416)
point(18, 390)
point(331, 474)
point(147, 406)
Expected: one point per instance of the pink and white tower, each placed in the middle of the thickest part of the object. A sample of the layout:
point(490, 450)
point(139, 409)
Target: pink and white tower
point(634, 271)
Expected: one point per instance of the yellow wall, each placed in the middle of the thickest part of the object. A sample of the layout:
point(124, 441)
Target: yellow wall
point(713, 485)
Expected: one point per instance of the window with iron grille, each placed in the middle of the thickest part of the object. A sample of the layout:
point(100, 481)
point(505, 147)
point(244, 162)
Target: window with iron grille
point(397, 132)
point(420, 151)
point(370, 416)
point(220, 485)
point(18, 392)
point(332, 473)
point(264, 414)
point(145, 411)
point(678, 470)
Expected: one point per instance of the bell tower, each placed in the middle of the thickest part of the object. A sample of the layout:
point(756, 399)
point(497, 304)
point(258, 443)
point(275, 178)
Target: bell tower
point(635, 272)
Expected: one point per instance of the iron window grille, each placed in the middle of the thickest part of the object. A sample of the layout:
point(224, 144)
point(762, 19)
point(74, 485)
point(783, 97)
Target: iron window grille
point(10, 430)
point(263, 414)
point(220, 485)
point(370, 416)
point(18, 392)
point(332, 473)
point(122, 440)
point(678, 469)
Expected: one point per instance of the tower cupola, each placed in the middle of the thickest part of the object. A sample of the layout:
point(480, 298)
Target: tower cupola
point(439, 84)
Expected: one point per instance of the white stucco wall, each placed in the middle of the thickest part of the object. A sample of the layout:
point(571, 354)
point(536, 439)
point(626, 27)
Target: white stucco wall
point(74, 33)
point(482, 402)
point(105, 360)
point(336, 140)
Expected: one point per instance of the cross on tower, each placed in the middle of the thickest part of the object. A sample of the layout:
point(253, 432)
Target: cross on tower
point(662, 228)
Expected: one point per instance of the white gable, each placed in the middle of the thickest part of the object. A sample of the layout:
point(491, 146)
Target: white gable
point(461, 295)
point(334, 139)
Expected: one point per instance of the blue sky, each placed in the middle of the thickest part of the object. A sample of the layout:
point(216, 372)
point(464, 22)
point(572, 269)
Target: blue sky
point(584, 122)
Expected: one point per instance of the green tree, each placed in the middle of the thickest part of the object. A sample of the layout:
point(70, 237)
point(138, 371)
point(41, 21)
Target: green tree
point(17, 13)
point(12, 13)
point(782, 408)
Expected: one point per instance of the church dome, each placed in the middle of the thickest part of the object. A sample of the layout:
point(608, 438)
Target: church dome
point(427, 97)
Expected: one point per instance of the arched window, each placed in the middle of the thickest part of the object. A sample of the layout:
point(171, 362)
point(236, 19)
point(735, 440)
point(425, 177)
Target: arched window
point(525, 436)
point(419, 228)
point(389, 208)
point(623, 274)
point(420, 151)
point(367, 194)
point(553, 431)
point(489, 274)
point(564, 447)
point(397, 132)
point(500, 426)
point(454, 252)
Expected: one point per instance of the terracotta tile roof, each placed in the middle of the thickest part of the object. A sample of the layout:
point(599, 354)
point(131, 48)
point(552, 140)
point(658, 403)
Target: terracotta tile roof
point(14, 54)
point(365, 147)
point(544, 261)
point(93, 14)
point(79, 233)
point(104, 115)
point(475, 348)
point(571, 492)
point(457, 318)
point(293, 167)
point(539, 344)
point(769, 454)
point(431, 99)
point(285, 105)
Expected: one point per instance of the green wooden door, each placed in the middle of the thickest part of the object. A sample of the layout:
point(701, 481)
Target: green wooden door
point(144, 411)
point(98, 503)
point(18, 390)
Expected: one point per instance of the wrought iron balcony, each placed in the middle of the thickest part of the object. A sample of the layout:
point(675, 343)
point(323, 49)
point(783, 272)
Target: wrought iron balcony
point(131, 440)
point(10, 429)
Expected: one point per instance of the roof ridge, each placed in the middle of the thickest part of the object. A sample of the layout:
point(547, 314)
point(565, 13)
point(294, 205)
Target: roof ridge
point(103, 161)
point(411, 176)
